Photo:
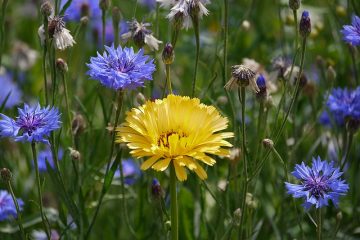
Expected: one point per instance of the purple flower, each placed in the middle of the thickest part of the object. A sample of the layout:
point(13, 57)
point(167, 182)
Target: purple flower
point(79, 8)
point(342, 105)
point(131, 171)
point(10, 91)
point(46, 156)
point(33, 124)
point(351, 33)
point(318, 184)
point(7, 206)
point(121, 68)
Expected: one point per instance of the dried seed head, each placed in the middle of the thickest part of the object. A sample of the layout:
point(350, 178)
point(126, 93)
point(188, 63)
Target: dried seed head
point(84, 20)
point(240, 77)
point(74, 154)
point(294, 4)
point(104, 4)
point(5, 174)
point(78, 124)
point(55, 25)
point(237, 217)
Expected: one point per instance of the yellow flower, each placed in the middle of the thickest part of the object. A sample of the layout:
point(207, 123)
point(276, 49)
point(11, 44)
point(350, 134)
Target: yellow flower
point(175, 129)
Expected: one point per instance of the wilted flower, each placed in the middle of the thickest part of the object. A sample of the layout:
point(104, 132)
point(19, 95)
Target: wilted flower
point(121, 68)
point(167, 132)
point(7, 206)
point(9, 91)
point(139, 33)
point(46, 156)
point(241, 76)
point(351, 33)
point(319, 184)
point(23, 57)
point(33, 124)
point(57, 31)
point(81, 8)
point(182, 10)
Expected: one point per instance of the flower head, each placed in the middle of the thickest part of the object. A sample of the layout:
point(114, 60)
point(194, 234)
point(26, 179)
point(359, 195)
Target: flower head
point(34, 123)
point(7, 206)
point(131, 171)
point(183, 10)
point(141, 35)
point(319, 184)
point(81, 8)
point(241, 76)
point(121, 68)
point(9, 91)
point(167, 131)
point(46, 156)
point(351, 33)
point(305, 24)
point(343, 105)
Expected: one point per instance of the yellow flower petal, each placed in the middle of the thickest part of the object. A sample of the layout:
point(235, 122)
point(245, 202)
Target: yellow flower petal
point(162, 164)
point(180, 172)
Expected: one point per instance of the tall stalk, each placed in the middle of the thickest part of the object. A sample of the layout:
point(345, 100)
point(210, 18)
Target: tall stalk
point(173, 204)
point(195, 20)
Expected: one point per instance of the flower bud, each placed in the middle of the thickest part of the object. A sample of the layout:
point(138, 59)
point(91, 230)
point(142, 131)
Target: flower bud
point(156, 189)
point(330, 74)
point(78, 124)
point(84, 20)
point(61, 65)
point(74, 154)
point(294, 4)
point(245, 25)
point(268, 143)
point(339, 216)
point(104, 4)
point(305, 24)
point(140, 98)
point(116, 16)
point(237, 217)
point(168, 54)
point(46, 9)
point(261, 83)
point(5, 174)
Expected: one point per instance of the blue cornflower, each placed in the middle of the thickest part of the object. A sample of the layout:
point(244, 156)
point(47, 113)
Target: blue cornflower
point(46, 156)
point(7, 206)
point(121, 68)
point(79, 8)
point(9, 87)
point(131, 171)
point(33, 124)
point(351, 33)
point(342, 105)
point(319, 184)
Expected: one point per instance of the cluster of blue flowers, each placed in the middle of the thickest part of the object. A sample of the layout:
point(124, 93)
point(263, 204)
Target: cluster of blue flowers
point(319, 184)
point(34, 124)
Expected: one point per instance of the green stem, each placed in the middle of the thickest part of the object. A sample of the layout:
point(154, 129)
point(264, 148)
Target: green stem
point(195, 20)
point(2, 28)
point(241, 93)
point(173, 204)
point(56, 7)
point(18, 213)
point(319, 224)
point(168, 81)
point(296, 29)
point(67, 103)
point(116, 33)
point(259, 129)
point(226, 33)
point(44, 60)
point(349, 139)
point(103, 191)
point(37, 174)
point(53, 72)
point(103, 20)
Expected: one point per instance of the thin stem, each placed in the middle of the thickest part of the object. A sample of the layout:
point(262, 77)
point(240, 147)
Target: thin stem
point(319, 224)
point(344, 159)
point(259, 130)
point(2, 28)
point(353, 59)
point(241, 93)
point(296, 29)
point(226, 33)
point(18, 213)
point(103, 191)
point(103, 20)
point(37, 174)
point(44, 60)
point(173, 204)
point(195, 21)
point(168, 80)
point(53, 72)
point(67, 102)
